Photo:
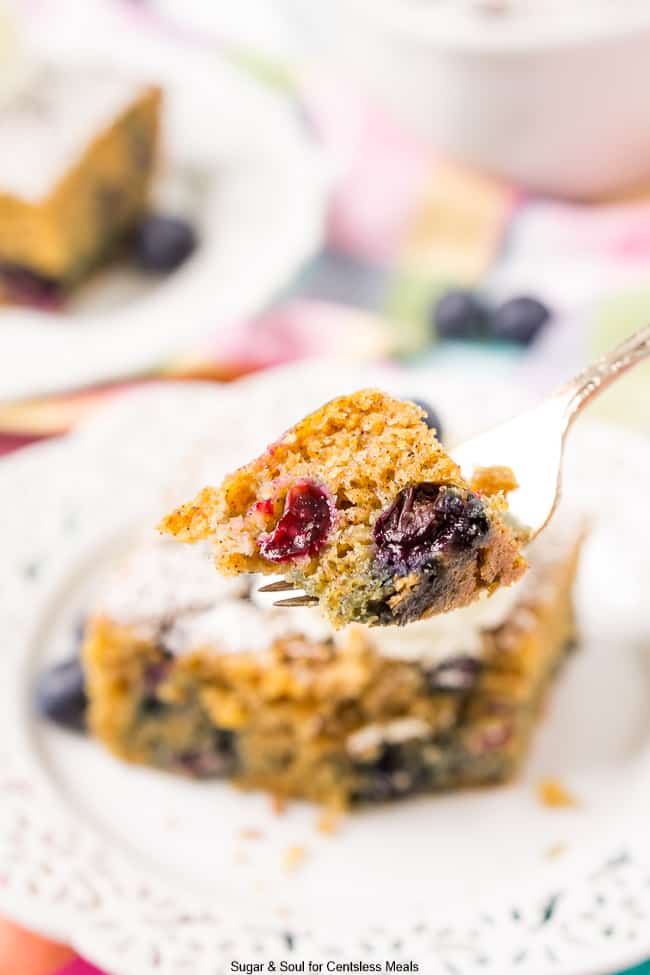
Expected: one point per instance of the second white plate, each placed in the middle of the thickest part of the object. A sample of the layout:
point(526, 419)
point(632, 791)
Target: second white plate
point(238, 159)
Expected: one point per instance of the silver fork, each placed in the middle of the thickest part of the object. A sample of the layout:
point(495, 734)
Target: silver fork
point(532, 444)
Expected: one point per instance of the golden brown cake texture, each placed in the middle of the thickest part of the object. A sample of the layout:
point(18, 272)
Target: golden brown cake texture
point(192, 673)
point(78, 151)
point(359, 505)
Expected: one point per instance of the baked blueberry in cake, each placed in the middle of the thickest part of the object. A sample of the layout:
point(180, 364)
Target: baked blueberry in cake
point(359, 506)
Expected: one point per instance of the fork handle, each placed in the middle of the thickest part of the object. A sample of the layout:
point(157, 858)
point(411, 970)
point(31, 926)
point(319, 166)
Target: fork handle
point(597, 377)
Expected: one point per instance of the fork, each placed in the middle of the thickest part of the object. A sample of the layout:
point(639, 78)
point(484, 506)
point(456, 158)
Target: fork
point(532, 444)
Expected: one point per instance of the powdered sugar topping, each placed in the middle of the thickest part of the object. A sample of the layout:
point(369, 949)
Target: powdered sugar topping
point(48, 125)
point(160, 580)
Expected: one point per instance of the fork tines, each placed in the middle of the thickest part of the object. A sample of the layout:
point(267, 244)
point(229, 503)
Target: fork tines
point(297, 601)
point(280, 586)
point(283, 586)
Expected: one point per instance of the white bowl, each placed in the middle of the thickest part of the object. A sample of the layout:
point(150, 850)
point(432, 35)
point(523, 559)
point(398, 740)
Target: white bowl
point(553, 95)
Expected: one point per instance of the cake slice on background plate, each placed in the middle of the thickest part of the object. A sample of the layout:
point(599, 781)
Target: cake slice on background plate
point(78, 148)
point(201, 676)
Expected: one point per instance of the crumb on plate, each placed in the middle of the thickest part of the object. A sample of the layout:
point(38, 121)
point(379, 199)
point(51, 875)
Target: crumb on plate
point(553, 794)
point(555, 851)
point(278, 805)
point(293, 857)
point(251, 834)
point(329, 821)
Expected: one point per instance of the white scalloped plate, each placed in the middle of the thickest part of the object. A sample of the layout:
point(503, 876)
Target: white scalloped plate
point(238, 161)
point(149, 875)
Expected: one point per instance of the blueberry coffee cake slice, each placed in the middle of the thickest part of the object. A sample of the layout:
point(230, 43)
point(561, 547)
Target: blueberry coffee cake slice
point(359, 506)
point(78, 151)
point(194, 674)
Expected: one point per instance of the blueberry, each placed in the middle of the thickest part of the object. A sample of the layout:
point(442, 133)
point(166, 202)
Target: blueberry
point(216, 759)
point(519, 319)
point(396, 773)
point(431, 417)
point(425, 520)
point(29, 288)
point(61, 694)
point(464, 520)
point(304, 527)
point(163, 243)
point(460, 315)
point(490, 735)
point(156, 672)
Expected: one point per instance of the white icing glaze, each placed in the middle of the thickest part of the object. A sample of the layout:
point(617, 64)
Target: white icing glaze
point(16, 68)
point(161, 580)
point(371, 736)
point(235, 625)
point(449, 634)
point(47, 125)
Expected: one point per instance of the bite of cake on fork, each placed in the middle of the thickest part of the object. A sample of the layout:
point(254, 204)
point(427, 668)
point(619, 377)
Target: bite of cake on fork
point(359, 506)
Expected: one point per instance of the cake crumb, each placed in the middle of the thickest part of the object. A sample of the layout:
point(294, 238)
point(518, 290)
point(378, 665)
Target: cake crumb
point(278, 805)
point(555, 851)
point(293, 857)
point(553, 794)
point(329, 821)
point(493, 480)
point(251, 834)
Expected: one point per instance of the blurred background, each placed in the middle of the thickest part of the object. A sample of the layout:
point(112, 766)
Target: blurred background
point(493, 149)
point(456, 183)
